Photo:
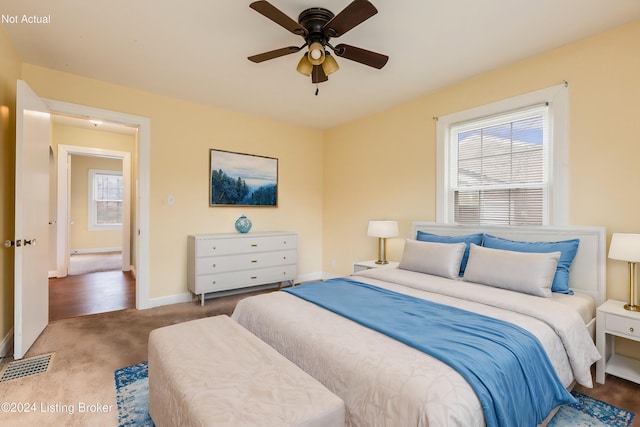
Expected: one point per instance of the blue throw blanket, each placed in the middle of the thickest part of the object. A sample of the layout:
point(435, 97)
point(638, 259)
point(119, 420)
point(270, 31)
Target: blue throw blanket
point(505, 365)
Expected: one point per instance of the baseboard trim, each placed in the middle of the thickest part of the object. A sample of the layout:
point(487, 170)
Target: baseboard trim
point(170, 299)
point(328, 276)
point(94, 250)
point(6, 345)
point(310, 277)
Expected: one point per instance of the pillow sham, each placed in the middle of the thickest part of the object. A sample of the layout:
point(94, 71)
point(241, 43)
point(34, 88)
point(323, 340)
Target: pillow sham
point(467, 239)
point(567, 248)
point(526, 272)
point(438, 259)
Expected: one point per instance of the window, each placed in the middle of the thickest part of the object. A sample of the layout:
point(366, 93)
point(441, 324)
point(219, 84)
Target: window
point(106, 194)
point(505, 163)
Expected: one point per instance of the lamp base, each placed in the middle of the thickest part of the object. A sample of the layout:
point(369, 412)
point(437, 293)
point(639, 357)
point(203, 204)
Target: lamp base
point(382, 262)
point(632, 307)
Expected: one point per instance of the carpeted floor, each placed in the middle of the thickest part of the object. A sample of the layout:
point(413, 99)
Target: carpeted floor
point(78, 389)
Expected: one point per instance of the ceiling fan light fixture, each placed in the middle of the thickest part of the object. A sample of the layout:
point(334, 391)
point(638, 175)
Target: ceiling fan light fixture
point(304, 66)
point(329, 65)
point(316, 53)
point(317, 25)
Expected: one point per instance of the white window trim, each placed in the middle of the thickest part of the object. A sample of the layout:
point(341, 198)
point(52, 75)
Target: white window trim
point(557, 211)
point(92, 225)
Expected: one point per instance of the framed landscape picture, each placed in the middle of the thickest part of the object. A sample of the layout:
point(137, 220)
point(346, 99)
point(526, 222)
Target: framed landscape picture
point(237, 179)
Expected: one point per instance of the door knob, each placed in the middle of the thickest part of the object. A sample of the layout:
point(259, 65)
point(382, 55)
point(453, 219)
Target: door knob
point(9, 243)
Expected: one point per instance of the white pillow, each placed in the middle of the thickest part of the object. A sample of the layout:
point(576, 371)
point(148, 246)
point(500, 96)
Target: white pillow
point(527, 272)
point(438, 259)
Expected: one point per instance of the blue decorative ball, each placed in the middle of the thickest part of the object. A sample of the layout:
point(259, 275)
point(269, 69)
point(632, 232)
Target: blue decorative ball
point(243, 224)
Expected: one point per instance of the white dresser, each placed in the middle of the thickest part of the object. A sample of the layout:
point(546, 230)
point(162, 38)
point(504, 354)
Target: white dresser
point(223, 262)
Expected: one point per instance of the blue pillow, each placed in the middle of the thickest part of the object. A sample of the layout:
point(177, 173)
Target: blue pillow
point(567, 249)
point(468, 239)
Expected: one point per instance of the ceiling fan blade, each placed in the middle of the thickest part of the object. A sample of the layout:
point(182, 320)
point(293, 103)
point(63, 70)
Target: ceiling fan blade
point(318, 75)
point(268, 10)
point(265, 56)
point(363, 56)
point(354, 14)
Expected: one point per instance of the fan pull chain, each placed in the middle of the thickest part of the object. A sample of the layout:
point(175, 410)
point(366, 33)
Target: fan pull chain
point(317, 89)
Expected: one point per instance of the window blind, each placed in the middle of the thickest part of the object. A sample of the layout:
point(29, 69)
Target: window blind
point(499, 168)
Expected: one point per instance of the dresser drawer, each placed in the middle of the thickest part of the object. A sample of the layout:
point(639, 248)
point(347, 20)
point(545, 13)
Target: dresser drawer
point(224, 281)
point(622, 325)
point(246, 244)
point(221, 264)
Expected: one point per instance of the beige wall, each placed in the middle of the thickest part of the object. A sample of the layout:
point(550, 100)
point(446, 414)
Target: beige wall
point(181, 135)
point(80, 236)
point(10, 69)
point(384, 166)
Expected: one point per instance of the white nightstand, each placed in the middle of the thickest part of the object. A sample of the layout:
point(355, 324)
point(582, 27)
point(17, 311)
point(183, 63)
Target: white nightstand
point(613, 320)
point(366, 265)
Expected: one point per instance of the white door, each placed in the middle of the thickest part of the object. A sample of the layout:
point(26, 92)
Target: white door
point(31, 219)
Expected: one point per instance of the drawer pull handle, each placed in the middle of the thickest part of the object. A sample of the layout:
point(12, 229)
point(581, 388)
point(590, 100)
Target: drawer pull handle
point(213, 282)
point(214, 266)
point(630, 329)
point(254, 261)
point(254, 245)
point(214, 248)
point(254, 277)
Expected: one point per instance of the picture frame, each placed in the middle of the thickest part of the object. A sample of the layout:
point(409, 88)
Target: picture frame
point(238, 179)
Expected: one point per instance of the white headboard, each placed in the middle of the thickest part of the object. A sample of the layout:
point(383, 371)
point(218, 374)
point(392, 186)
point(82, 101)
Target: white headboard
point(588, 270)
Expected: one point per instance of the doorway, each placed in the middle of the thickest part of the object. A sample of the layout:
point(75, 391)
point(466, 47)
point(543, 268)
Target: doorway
point(140, 216)
point(93, 199)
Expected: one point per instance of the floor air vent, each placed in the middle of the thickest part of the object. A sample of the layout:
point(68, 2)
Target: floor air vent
point(26, 367)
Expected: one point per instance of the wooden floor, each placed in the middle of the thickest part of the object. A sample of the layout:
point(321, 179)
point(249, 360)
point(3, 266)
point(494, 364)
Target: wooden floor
point(91, 293)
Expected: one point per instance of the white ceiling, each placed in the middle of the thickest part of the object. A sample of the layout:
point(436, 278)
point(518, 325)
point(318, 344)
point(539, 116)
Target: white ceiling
point(197, 50)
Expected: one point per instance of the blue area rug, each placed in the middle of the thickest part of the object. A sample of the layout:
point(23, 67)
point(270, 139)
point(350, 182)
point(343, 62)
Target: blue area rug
point(589, 412)
point(132, 397)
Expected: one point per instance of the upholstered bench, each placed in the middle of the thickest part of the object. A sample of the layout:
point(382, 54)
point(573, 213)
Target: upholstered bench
point(213, 372)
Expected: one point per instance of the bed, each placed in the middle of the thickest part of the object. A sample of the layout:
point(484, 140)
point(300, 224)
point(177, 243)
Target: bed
point(386, 382)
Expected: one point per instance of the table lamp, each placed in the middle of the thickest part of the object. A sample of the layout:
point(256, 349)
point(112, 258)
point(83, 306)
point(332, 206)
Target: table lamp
point(626, 247)
point(382, 230)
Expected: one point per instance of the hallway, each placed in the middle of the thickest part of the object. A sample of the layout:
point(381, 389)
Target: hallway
point(91, 293)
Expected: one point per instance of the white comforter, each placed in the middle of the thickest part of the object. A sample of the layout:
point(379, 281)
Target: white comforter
point(386, 383)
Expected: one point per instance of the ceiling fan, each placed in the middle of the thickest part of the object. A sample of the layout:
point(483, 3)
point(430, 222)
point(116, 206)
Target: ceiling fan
point(317, 26)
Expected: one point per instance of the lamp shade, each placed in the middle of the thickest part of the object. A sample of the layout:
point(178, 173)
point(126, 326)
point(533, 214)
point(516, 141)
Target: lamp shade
point(625, 247)
point(383, 229)
point(329, 65)
point(304, 66)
